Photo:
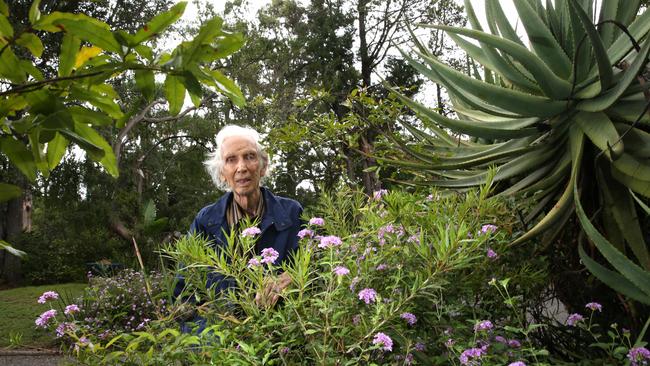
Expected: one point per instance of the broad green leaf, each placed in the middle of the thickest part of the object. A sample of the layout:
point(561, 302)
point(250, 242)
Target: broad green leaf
point(9, 191)
point(207, 33)
point(634, 167)
point(6, 30)
point(69, 48)
point(30, 69)
point(145, 51)
point(19, 155)
point(85, 54)
point(612, 279)
point(159, 23)
point(55, 150)
point(31, 42)
point(4, 9)
point(511, 100)
point(58, 120)
point(227, 44)
point(90, 31)
point(149, 212)
point(602, 59)
point(228, 88)
point(175, 94)
point(99, 99)
point(34, 12)
point(608, 11)
point(8, 106)
point(553, 85)
point(606, 99)
point(6, 246)
point(601, 131)
point(85, 115)
point(494, 13)
point(10, 67)
point(542, 40)
point(639, 186)
point(107, 158)
point(628, 269)
point(192, 86)
point(38, 153)
point(645, 207)
point(144, 80)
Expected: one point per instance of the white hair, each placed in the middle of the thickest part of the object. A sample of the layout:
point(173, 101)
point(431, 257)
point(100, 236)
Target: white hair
point(214, 162)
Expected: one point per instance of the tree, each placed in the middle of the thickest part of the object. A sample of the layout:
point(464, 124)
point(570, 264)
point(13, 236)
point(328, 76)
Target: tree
point(42, 114)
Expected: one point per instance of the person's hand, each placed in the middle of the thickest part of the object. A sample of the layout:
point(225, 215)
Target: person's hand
point(272, 288)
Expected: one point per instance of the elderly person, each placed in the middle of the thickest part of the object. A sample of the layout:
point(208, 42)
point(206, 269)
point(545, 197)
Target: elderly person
point(238, 165)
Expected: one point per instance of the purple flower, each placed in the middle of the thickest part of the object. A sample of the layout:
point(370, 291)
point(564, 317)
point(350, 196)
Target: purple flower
point(419, 346)
point(492, 254)
point(48, 295)
point(305, 233)
point(44, 318)
point(356, 319)
point(500, 339)
point(573, 319)
point(410, 318)
point(638, 356)
point(483, 325)
point(449, 343)
point(316, 221)
point(64, 327)
point(488, 228)
point(381, 267)
point(253, 262)
point(594, 306)
point(329, 241)
point(269, 255)
point(517, 363)
point(341, 271)
point(513, 343)
point(368, 295)
point(414, 239)
point(468, 356)
point(384, 341)
point(378, 194)
point(251, 231)
point(71, 309)
point(284, 350)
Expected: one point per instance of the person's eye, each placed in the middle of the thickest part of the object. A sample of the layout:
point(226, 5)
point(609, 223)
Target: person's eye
point(230, 159)
point(250, 156)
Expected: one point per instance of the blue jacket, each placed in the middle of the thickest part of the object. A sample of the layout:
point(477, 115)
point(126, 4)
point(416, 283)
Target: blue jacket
point(279, 225)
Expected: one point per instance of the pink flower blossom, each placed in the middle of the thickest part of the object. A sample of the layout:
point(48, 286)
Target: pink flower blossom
point(341, 271)
point(594, 306)
point(378, 194)
point(468, 356)
point(64, 328)
point(44, 318)
point(517, 363)
point(384, 341)
point(254, 262)
point(305, 233)
point(573, 319)
point(368, 295)
point(488, 228)
point(251, 232)
point(71, 309)
point(48, 295)
point(317, 221)
point(483, 325)
point(330, 241)
point(269, 255)
point(638, 356)
point(492, 254)
point(410, 318)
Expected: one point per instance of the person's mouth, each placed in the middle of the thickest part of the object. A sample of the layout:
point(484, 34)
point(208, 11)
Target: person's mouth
point(243, 181)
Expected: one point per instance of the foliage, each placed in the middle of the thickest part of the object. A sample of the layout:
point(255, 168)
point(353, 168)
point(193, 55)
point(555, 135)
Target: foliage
point(41, 116)
point(564, 121)
point(19, 308)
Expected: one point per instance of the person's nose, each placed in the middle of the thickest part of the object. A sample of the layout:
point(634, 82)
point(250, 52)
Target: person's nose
point(241, 165)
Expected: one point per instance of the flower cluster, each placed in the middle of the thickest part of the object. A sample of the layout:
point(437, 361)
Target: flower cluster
point(48, 295)
point(251, 232)
point(269, 255)
point(305, 233)
point(638, 356)
point(368, 295)
point(574, 319)
point(43, 320)
point(316, 221)
point(471, 356)
point(488, 228)
point(384, 341)
point(341, 271)
point(484, 325)
point(410, 318)
point(594, 306)
point(330, 241)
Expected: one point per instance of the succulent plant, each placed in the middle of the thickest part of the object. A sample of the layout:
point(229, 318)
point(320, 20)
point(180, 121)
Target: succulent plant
point(563, 119)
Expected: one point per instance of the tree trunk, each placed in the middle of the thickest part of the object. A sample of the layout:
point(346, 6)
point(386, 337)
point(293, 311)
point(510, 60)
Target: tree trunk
point(17, 219)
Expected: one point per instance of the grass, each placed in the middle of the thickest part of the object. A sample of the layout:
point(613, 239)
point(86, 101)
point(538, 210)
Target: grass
point(19, 309)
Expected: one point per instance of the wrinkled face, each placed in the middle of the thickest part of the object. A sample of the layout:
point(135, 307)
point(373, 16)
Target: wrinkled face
point(242, 165)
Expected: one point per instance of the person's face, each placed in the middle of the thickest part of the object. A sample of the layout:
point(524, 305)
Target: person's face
point(242, 167)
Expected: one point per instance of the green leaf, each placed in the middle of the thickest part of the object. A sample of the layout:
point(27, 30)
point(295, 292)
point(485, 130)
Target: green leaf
point(82, 26)
point(98, 97)
point(601, 131)
point(159, 23)
point(59, 120)
point(144, 80)
point(55, 150)
point(6, 30)
point(6, 246)
point(634, 167)
point(612, 279)
point(37, 152)
point(19, 155)
point(602, 59)
point(149, 212)
point(29, 68)
point(69, 48)
point(175, 94)
point(9, 191)
point(4, 9)
point(193, 87)
point(34, 12)
point(10, 67)
point(31, 42)
point(207, 33)
point(628, 269)
point(107, 158)
point(87, 116)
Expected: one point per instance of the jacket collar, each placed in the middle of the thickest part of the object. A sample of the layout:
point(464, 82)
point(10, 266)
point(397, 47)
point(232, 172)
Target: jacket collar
point(274, 213)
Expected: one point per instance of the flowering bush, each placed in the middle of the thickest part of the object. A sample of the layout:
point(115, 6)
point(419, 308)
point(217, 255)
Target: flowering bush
point(396, 279)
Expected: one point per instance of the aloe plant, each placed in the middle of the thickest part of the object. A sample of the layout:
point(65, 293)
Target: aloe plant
point(563, 118)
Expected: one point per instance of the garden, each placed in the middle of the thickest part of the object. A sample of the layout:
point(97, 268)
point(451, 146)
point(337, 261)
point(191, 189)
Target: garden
point(475, 179)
